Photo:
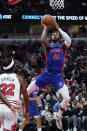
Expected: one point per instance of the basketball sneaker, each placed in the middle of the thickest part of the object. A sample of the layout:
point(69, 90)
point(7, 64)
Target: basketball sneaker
point(58, 121)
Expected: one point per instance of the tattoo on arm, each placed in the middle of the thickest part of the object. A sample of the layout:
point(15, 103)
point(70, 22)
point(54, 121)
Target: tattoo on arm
point(43, 37)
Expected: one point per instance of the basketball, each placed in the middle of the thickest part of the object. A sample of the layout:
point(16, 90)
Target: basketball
point(47, 20)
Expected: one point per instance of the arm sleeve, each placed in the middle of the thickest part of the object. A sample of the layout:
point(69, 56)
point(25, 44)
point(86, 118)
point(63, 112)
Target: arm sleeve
point(67, 39)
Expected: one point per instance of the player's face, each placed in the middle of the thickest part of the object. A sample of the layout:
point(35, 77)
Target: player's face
point(55, 37)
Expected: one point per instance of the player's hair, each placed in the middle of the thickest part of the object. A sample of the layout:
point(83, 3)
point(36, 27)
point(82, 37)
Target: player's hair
point(8, 65)
point(56, 32)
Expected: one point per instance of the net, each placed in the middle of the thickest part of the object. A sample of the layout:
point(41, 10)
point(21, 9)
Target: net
point(56, 4)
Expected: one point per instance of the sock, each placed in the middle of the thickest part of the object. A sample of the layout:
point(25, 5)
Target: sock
point(68, 130)
point(20, 130)
point(74, 128)
point(39, 129)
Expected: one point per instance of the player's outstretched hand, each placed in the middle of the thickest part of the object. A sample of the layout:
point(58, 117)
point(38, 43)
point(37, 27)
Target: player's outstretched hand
point(55, 24)
point(46, 27)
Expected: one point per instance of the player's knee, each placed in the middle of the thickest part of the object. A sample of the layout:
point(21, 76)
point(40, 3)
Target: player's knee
point(32, 86)
point(38, 119)
point(65, 102)
point(66, 96)
point(67, 99)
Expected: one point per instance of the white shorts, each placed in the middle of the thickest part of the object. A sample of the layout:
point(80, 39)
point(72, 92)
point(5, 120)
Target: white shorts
point(8, 117)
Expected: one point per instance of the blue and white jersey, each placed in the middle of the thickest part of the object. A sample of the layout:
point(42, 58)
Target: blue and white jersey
point(33, 95)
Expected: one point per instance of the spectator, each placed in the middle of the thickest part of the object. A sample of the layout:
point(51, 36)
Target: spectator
point(84, 117)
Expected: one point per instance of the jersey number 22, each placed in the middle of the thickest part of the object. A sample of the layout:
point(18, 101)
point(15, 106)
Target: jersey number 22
point(7, 89)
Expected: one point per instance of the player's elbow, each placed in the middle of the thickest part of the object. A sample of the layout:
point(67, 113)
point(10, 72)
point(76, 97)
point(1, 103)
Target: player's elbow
point(68, 43)
point(43, 41)
point(67, 98)
point(44, 44)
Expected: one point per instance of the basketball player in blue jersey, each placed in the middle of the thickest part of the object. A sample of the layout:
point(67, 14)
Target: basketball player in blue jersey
point(33, 109)
point(55, 58)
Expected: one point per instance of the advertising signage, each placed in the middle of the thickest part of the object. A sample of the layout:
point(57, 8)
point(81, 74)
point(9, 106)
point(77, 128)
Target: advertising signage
point(61, 18)
point(24, 18)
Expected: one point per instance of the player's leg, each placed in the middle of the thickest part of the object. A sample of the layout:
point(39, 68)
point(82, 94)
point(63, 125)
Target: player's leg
point(10, 120)
point(65, 94)
point(22, 125)
point(32, 87)
point(42, 80)
point(24, 122)
point(38, 119)
point(63, 90)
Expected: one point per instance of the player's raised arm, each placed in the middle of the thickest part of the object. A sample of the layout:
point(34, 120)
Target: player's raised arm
point(44, 42)
point(66, 37)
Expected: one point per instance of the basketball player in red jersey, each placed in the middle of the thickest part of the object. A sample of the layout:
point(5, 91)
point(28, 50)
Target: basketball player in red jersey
point(53, 74)
point(11, 86)
point(12, 107)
